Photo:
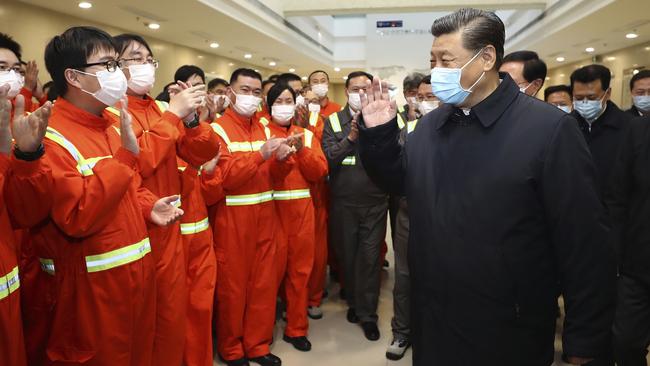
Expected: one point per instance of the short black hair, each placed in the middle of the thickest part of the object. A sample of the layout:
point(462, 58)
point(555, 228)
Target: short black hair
point(8, 43)
point(412, 81)
point(479, 28)
point(216, 82)
point(71, 49)
point(244, 72)
point(185, 72)
point(51, 93)
point(356, 74)
point(124, 40)
point(267, 82)
point(275, 92)
point(164, 94)
point(425, 80)
point(273, 78)
point(534, 68)
point(557, 89)
point(591, 73)
point(643, 74)
point(316, 72)
point(287, 77)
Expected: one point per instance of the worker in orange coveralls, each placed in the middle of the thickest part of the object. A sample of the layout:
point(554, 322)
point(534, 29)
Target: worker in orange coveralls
point(296, 212)
point(95, 241)
point(245, 226)
point(164, 132)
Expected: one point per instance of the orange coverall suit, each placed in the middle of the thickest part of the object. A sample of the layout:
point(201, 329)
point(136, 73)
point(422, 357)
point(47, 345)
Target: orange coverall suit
point(296, 211)
point(244, 232)
point(24, 192)
point(162, 136)
point(201, 267)
point(96, 246)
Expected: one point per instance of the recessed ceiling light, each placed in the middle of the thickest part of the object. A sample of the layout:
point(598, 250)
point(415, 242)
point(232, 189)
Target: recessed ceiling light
point(561, 75)
point(631, 35)
point(647, 48)
point(345, 78)
point(547, 78)
point(200, 56)
point(304, 78)
point(610, 58)
point(590, 49)
point(292, 70)
point(214, 45)
point(635, 71)
point(153, 26)
point(272, 63)
point(337, 69)
point(248, 55)
point(560, 59)
point(231, 64)
point(85, 5)
point(256, 70)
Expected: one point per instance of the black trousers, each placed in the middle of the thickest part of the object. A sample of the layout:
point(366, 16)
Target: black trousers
point(632, 322)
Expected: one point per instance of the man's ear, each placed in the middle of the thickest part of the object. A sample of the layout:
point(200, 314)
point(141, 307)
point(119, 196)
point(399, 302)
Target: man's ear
point(489, 57)
point(72, 78)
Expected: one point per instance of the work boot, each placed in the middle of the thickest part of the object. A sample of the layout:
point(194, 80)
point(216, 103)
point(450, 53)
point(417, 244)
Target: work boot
point(299, 343)
point(370, 330)
point(267, 360)
point(239, 362)
point(352, 316)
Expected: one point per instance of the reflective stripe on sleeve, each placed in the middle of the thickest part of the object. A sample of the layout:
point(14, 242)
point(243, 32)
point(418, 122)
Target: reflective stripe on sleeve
point(195, 227)
point(349, 160)
point(9, 283)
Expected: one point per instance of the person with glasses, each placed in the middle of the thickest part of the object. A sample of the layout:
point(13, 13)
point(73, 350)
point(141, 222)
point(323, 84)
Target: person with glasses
point(164, 132)
point(13, 71)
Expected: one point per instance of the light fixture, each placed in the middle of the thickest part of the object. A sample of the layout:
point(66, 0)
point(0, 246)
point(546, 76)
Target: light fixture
point(631, 35)
point(272, 63)
point(560, 59)
point(231, 64)
point(292, 70)
point(635, 71)
point(248, 56)
point(214, 45)
point(200, 56)
point(590, 49)
point(548, 78)
point(85, 5)
point(256, 70)
point(345, 78)
point(153, 26)
point(561, 75)
point(610, 58)
point(647, 48)
point(304, 78)
point(337, 69)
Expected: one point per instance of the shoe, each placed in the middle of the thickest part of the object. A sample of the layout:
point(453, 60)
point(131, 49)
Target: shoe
point(268, 360)
point(342, 294)
point(326, 294)
point(299, 343)
point(239, 362)
point(386, 264)
point(352, 316)
point(370, 330)
point(397, 349)
point(315, 312)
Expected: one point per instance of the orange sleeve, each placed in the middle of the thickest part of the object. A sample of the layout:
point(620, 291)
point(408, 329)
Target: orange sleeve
point(196, 145)
point(280, 169)
point(81, 206)
point(237, 169)
point(312, 162)
point(146, 198)
point(28, 192)
point(211, 187)
point(28, 99)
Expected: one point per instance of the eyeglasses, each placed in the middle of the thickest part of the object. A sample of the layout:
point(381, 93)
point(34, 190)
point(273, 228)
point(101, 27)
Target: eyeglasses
point(139, 60)
point(7, 68)
point(110, 65)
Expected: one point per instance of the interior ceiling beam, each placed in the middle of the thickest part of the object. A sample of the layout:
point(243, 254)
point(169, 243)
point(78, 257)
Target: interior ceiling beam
point(346, 7)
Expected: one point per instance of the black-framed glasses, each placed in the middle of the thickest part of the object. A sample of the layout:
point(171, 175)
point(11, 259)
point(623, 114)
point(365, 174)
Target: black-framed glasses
point(139, 60)
point(110, 65)
point(9, 68)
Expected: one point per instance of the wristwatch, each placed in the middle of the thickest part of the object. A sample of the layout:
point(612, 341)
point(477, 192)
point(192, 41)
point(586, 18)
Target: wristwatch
point(29, 156)
point(193, 123)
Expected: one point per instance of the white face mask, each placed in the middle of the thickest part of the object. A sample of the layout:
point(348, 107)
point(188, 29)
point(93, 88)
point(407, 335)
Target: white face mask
point(112, 86)
point(320, 89)
point(216, 98)
point(354, 100)
point(15, 81)
point(142, 78)
point(300, 100)
point(283, 113)
point(565, 108)
point(427, 106)
point(313, 107)
point(246, 105)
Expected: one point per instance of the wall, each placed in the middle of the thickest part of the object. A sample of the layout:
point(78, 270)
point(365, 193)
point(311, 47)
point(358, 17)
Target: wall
point(622, 64)
point(33, 27)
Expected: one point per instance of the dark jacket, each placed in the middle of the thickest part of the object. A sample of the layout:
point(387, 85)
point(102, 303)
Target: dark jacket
point(633, 112)
point(504, 215)
point(629, 200)
point(604, 139)
point(348, 180)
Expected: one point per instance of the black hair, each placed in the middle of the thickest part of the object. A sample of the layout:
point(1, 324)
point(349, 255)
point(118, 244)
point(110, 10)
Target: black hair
point(71, 49)
point(356, 74)
point(216, 82)
point(412, 81)
point(557, 89)
point(8, 43)
point(164, 94)
point(316, 72)
point(244, 72)
point(425, 80)
point(273, 78)
point(124, 40)
point(267, 82)
point(185, 72)
point(51, 93)
point(591, 73)
point(287, 77)
point(534, 68)
point(643, 74)
point(479, 29)
point(275, 92)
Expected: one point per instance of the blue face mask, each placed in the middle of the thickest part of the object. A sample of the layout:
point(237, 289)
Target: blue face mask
point(445, 83)
point(565, 108)
point(642, 103)
point(589, 109)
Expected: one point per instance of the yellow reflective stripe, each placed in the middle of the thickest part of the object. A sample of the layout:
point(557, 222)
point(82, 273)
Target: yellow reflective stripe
point(294, 194)
point(182, 168)
point(309, 137)
point(313, 119)
point(195, 227)
point(349, 160)
point(267, 132)
point(335, 122)
point(400, 109)
point(118, 257)
point(264, 121)
point(249, 199)
point(9, 283)
point(117, 130)
point(400, 121)
point(56, 136)
point(259, 107)
point(411, 126)
point(47, 265)
point(113, 110)
point(162, 106)
point(220, 131)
